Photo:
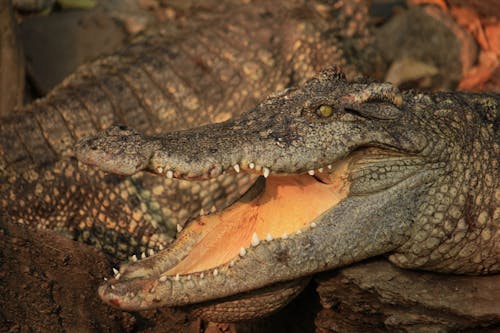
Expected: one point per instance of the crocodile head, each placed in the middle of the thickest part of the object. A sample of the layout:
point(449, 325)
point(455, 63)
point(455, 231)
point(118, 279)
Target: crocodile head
point(348, 171)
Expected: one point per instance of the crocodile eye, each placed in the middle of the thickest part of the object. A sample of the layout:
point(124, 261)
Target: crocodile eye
point(324, 111)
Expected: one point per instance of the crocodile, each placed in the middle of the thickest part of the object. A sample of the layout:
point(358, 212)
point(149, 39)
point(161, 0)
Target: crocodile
point(348, 170)
point(204, 73)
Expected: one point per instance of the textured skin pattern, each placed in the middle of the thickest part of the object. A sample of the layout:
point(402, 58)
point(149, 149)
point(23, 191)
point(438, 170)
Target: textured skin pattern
point(422, 169)
point(159, 83)
point(459, 225)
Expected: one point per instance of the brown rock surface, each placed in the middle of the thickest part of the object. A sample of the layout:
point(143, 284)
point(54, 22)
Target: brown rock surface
point(11, 62)
point(48, 283)
point(375, 296)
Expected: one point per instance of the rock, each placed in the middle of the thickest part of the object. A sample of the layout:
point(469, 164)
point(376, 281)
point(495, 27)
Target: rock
point(421, 35)
point(55, 45)
point(375, 296)
point(48, 283)
point(11, 62)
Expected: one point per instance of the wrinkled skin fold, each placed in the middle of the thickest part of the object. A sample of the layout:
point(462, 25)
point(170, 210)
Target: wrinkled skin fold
point(359, 169)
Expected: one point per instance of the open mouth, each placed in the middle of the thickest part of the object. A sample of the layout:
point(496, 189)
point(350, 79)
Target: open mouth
point(283, 206)
point(276, 208)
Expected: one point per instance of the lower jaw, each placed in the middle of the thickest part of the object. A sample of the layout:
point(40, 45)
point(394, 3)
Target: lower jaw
point(252, 305)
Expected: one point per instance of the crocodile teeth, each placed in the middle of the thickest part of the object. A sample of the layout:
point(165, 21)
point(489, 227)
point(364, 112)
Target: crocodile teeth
point(213, 209)
point(177, 277)
point(251, 165)
point(134, 258)
point(236, 168)
point(162, 278)
point(179, 228)
point(143, 255)
point(285, 236)
point(117, 276)
point(266, 172)
point(170, 174)
point(243, 252)
point(255, 239)
point(202, 275)
point(329, 166)
point(269, 237)
point(216, 272)
point(160, 247)
point(159, 170)
point(313, 225)
point(320, 170)
point(299, 232)
point(151, 252)
point(231, 264)
point(311, 172)
point(115, 271)
point(202, 212)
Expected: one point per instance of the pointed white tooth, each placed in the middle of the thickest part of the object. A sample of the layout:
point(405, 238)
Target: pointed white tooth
point(299, 232)
point(243, 252)
point(251, 165)
point(189, 277)
point(269, 237)
point(216, 272)
point(266, 172)
point(143, 255)
point(177, 277)
point(329, 166)
point(313, 225)
point(113, 287)
point(202, 275)
point(231, 263)
point(115, 271)
point(213, 209)
point(202, 212)
point(179, 228)
point(311, 172)
point(105, 279)
point(134, 258)
point(163, 278)
point(161, 247)
point(285, 236)
point(236, 168)
point(117, 277)
point(320, 170)
point(151, 252)
point(170, 174)
point(159, 170)
point(255, 239)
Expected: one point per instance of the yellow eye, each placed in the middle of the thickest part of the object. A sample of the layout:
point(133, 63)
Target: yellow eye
point(325, 111)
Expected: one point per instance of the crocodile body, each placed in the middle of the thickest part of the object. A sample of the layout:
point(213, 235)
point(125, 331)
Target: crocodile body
point(159, 83)
point(411, 175)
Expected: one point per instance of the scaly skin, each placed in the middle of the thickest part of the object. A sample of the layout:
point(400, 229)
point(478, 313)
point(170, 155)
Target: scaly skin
point(421, 172)
point(158, 83)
